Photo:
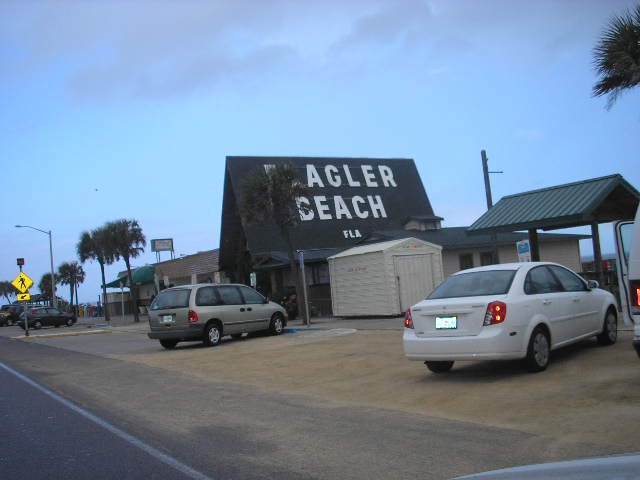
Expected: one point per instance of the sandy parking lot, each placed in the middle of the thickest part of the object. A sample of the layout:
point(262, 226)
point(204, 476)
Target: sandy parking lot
point(588, 394)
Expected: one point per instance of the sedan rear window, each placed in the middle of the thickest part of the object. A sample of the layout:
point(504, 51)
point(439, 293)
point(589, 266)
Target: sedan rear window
point(171, 299)
point(475, 284)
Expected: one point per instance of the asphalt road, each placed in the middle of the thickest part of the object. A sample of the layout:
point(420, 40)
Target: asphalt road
point(230, 430)
point(46, 437)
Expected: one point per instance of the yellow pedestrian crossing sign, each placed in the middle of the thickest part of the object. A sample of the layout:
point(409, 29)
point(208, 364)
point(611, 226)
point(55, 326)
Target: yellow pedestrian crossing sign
point(22, 282)
point(24, 297)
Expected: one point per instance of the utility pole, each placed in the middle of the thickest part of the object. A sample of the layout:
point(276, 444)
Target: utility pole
point(487, 190)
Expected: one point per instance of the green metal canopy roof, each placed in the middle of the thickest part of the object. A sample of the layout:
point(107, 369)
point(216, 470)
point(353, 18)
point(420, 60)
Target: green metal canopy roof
point(601, 200)
point(141, 276)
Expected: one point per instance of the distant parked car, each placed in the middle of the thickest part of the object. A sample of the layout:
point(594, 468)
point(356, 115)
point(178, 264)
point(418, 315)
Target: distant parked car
point(507, 311)
point(39, 317)
point(207, 312)
point(10, 314)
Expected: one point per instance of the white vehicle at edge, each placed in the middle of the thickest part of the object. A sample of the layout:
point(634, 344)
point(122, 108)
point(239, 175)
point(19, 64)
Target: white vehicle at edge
point(507, 311)
point(628, 255)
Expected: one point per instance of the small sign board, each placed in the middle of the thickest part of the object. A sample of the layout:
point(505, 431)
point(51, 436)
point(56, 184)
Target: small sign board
point(24, 297)
point(22, 282)
point(524, 251)
point(162, 245)
point(253, 279)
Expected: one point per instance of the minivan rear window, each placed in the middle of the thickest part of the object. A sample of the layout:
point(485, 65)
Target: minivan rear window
point(475, 284)
point(171, 299)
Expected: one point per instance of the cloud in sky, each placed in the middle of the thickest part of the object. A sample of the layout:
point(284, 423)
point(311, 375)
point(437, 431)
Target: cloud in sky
point(114, 49)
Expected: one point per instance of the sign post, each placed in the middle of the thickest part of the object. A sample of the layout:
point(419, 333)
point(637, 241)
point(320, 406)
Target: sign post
point(23, 283)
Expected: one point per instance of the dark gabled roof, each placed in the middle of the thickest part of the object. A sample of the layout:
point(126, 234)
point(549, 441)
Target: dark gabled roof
point(339, 187)
point(458, 237)
point(600, 200)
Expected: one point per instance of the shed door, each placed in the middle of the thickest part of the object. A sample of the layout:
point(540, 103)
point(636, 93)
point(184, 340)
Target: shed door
point(415, 278)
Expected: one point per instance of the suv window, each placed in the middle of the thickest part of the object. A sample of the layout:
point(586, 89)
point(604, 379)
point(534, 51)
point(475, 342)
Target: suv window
point(251, 296)
point(540, 280)
point(230, 295)
point(569, 280)
point(171, 299)
point(207, 296)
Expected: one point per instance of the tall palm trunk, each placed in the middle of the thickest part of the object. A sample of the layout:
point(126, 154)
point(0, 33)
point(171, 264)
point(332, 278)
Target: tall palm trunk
point(107, 317)
point(133, 291)
point(297, 274)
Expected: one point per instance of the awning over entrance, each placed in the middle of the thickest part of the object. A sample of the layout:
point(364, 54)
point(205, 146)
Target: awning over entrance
point(590, 202)
point(600, 200)
point(141, 276)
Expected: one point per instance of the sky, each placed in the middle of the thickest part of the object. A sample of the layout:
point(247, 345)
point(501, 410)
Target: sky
point(127, 109)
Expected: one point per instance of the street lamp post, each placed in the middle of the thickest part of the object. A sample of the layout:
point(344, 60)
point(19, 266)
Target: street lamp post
point(53, 278)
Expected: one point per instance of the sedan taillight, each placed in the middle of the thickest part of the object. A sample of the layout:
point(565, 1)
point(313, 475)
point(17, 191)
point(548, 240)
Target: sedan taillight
point(193, 316)
point(408, 321)
point(634, 288)
point(496, 313)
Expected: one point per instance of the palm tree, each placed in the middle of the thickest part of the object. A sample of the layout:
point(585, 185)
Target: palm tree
point(71, 273)
point(7, 290)
point(95, 245)
point(617, 56)
point(127, 242)
point(269, 195)
point(45, 286)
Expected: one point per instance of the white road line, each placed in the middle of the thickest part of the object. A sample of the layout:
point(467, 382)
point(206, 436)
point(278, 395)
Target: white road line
point(163, 457)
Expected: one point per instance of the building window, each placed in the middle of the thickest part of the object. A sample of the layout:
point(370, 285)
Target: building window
point(320, 273)
point(466, 261)
point(487, 258)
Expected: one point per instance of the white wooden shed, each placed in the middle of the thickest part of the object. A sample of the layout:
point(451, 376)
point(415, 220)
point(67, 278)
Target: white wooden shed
point(384, 278)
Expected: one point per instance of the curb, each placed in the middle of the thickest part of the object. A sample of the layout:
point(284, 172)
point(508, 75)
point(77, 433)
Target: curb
point(56, 335)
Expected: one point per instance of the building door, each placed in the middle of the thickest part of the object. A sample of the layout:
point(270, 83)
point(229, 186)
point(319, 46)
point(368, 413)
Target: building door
point(414, 275)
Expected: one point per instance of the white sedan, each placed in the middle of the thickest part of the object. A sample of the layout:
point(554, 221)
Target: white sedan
point(507, 311)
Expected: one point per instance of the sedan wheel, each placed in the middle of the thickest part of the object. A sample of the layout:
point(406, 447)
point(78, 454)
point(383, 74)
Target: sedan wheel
point(538, 351)
point(609, 333)
point(212, 335)
point(69, 322)
point(439, 367)
point(277, 325)
point(37, 324)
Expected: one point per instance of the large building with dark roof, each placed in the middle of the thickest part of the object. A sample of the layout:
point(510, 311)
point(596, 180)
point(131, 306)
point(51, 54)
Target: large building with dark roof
point(354, 200)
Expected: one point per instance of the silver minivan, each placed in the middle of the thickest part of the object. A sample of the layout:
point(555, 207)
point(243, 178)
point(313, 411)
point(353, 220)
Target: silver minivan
point(207, 312)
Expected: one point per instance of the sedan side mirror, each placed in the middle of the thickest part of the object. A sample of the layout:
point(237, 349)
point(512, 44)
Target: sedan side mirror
point(591, 284)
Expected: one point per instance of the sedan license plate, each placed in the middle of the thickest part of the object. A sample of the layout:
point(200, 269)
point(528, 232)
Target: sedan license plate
point(166, 319)
point(446, 323)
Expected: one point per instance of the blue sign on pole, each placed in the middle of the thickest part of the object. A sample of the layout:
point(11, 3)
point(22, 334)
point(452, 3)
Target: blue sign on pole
point(301, 258)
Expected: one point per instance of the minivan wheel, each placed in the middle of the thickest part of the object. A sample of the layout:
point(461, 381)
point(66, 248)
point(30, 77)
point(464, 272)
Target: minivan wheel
point(212, 335)
point(439, 367)
point(609, 333)
point(37, 324)
point(538, 351)
point(277, 324)
point(169, 344)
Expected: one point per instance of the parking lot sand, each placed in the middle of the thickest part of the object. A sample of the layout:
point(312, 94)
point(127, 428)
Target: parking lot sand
point(589, 394)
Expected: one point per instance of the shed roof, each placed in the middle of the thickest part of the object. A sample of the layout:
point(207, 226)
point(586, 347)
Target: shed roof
point(601, 200)
point(198, 263)
point(382, 246)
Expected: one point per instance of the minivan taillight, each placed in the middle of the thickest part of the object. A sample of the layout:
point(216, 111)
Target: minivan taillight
point(193, 316)
point(408, 321)
point(634, 288)
point(496, 313)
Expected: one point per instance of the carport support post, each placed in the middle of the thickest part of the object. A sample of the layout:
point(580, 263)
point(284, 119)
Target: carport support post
point(533, 243)
point(597, 253)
